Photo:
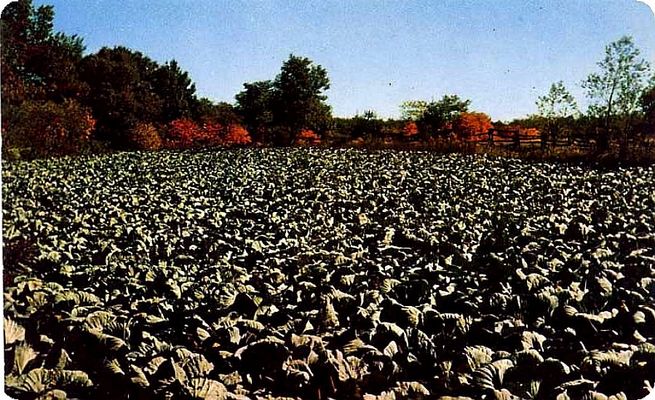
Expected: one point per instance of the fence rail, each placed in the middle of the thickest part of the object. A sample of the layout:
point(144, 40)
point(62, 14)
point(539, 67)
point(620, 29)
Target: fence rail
point(517, 140)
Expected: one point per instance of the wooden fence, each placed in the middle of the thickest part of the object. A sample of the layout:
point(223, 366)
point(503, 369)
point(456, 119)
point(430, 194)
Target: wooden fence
point(518, 139)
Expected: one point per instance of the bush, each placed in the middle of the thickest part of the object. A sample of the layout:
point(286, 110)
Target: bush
point(37, 129)
point(211, 134)
point(237, 135)
point(410, 129)
point(307, 137)
point(144, 136)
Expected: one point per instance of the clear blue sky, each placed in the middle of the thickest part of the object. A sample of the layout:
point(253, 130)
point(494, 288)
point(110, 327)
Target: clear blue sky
point(501, 54)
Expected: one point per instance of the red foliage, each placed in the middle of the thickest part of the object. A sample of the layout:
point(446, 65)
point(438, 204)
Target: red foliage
point(410, 129)
point(237, 135)
point(470, 124)
point(211, 133)
point(183, 133)
point(308, 137)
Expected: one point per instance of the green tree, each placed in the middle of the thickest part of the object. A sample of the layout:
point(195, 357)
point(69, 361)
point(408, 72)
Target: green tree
point(206, 111)
point(122, 92)
point(367, 126)
point(615, 91)
point(37, 63)
point(648, 107)
point(413, 110)
point(299, 100)
point(176, 91)
point(254, 104)
point(557, 108)
point(437, 116)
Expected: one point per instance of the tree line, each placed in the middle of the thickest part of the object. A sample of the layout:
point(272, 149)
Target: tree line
point(57, 100)
point(621, 103)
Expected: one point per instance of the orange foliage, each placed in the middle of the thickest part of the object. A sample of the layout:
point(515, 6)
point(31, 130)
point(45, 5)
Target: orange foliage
point(144, 136)
point(183, 133)
point(410, 129)
point(471, 124)
point(45, 128)
point(308, 137)
point(531, 132)
point(237, 135)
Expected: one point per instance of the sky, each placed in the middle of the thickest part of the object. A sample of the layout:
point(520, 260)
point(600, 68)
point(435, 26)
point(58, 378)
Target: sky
point(500, 54)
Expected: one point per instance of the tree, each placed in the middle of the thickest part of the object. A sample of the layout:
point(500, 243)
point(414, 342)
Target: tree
point(469, 124)
point(122, 92)
point(176, 91)
point(556, 108)
point(255, 107)
point(367, 126)
point(37, 128)
point(615, 91)
point(222, 113)
point(437, 116)
point(298, 101)
point(37, 63)
point(410, 129)
point(648, 107)
point(440, 115)
point(413, 110)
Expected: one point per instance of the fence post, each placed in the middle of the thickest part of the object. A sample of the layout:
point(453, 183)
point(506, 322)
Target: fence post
point(517, 139)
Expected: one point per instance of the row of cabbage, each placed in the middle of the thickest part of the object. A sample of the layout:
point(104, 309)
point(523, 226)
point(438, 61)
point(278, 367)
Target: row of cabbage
point(264, 273)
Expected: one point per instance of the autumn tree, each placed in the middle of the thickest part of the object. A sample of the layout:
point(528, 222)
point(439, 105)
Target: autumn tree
point(557, 108)
point(145, 136)
point(237, 135)
point(469, 124)
point(615, 90)
point(37, 129)
point(410, 129)
point(435, 117)
point(307, 137)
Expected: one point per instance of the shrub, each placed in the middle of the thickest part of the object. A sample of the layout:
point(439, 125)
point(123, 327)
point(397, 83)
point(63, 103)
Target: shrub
point(410, 129)
point(211, 134)
point(37, 129)
point(307, 137)
point(470, 124)
point(182, 133)
point(144, 136)
point(237, 135)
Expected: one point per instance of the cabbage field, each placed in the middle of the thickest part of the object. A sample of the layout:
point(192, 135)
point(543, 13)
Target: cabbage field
point(318, 274)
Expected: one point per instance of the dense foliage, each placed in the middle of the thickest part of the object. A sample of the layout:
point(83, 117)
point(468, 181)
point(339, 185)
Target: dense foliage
point(281, 109)
point(126, 91)
point(326, 274)
point(37, 129)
